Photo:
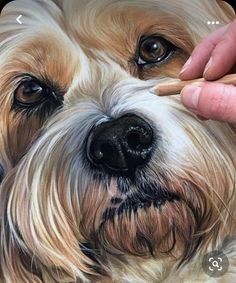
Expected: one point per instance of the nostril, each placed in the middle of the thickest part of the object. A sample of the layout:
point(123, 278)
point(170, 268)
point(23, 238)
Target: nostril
point(99, 153)
point(138, 138)
point(133, 140)
point(102, 150)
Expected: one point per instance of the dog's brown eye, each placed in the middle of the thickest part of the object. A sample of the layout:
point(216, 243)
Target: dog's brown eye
point(30, 92)
point(38, 97)
point(153, 49)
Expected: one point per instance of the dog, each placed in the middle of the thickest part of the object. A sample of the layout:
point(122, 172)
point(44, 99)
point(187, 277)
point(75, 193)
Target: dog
point(102, 180)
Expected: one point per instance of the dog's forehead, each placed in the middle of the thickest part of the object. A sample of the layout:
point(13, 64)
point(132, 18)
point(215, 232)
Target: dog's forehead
point(109, 24)
point(55, 38)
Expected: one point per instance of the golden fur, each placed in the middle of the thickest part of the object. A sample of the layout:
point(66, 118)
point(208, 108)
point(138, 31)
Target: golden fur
point(56, 213)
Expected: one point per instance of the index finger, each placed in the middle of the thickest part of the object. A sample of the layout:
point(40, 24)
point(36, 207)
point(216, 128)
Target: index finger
point(201, 55)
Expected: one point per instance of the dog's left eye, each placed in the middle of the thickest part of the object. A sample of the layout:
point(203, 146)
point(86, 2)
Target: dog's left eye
point(153, 49)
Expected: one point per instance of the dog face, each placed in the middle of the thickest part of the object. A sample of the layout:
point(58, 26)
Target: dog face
point(103, 180)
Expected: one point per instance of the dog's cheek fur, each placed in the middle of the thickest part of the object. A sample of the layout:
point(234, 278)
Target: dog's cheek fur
point(55, 247)
point(14, 134)
point(30, 50)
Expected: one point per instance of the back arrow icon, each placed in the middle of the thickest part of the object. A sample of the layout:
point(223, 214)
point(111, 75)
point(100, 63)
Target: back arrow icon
point(18, 20)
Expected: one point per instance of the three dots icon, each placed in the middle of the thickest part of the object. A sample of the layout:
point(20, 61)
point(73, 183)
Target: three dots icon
point(213, 22)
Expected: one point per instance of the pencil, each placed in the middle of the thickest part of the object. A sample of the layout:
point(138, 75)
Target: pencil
point(175, 87)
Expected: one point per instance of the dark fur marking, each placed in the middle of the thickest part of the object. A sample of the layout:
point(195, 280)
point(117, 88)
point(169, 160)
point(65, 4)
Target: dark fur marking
point(2, 173)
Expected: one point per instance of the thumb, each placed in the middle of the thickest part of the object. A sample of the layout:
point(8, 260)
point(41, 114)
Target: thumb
point(211, 100)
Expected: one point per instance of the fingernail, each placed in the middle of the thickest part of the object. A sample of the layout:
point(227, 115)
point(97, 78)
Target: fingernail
point(208, 65)
point(190, 95)
point(153, 90)
point(185, 66)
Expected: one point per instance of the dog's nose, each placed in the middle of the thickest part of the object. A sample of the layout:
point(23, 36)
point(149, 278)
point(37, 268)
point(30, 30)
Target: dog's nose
point(121, 145)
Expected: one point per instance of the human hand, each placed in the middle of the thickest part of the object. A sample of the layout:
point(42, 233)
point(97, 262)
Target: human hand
point(214, 57)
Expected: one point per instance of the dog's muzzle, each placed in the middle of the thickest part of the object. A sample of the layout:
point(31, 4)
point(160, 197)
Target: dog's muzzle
point(121, 145)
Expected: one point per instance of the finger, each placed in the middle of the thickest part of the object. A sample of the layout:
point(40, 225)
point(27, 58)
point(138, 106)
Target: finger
point(211, 100)
point(223, 56)
point(201, 54)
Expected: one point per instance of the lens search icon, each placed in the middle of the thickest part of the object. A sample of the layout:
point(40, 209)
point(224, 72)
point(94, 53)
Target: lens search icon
point(215, 264)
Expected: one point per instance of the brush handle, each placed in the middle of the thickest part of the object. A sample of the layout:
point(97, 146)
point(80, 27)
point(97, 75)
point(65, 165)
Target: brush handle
point(176, 86)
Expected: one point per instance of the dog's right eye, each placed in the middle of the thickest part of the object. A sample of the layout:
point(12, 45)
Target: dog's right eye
point(30, 93)
point(33, 96)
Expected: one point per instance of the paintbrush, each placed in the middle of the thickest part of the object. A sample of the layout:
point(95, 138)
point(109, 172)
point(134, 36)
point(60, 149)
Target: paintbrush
point(175, 86)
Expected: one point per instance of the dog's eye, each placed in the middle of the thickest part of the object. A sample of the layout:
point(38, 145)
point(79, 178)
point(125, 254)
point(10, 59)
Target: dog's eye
point(30, 93)
point(153, 49)
point(33, 96)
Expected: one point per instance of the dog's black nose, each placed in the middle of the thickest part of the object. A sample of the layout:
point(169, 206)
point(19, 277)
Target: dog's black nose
point(121, 145)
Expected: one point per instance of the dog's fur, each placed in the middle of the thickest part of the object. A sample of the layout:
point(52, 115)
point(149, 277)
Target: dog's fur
point(58, 222)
